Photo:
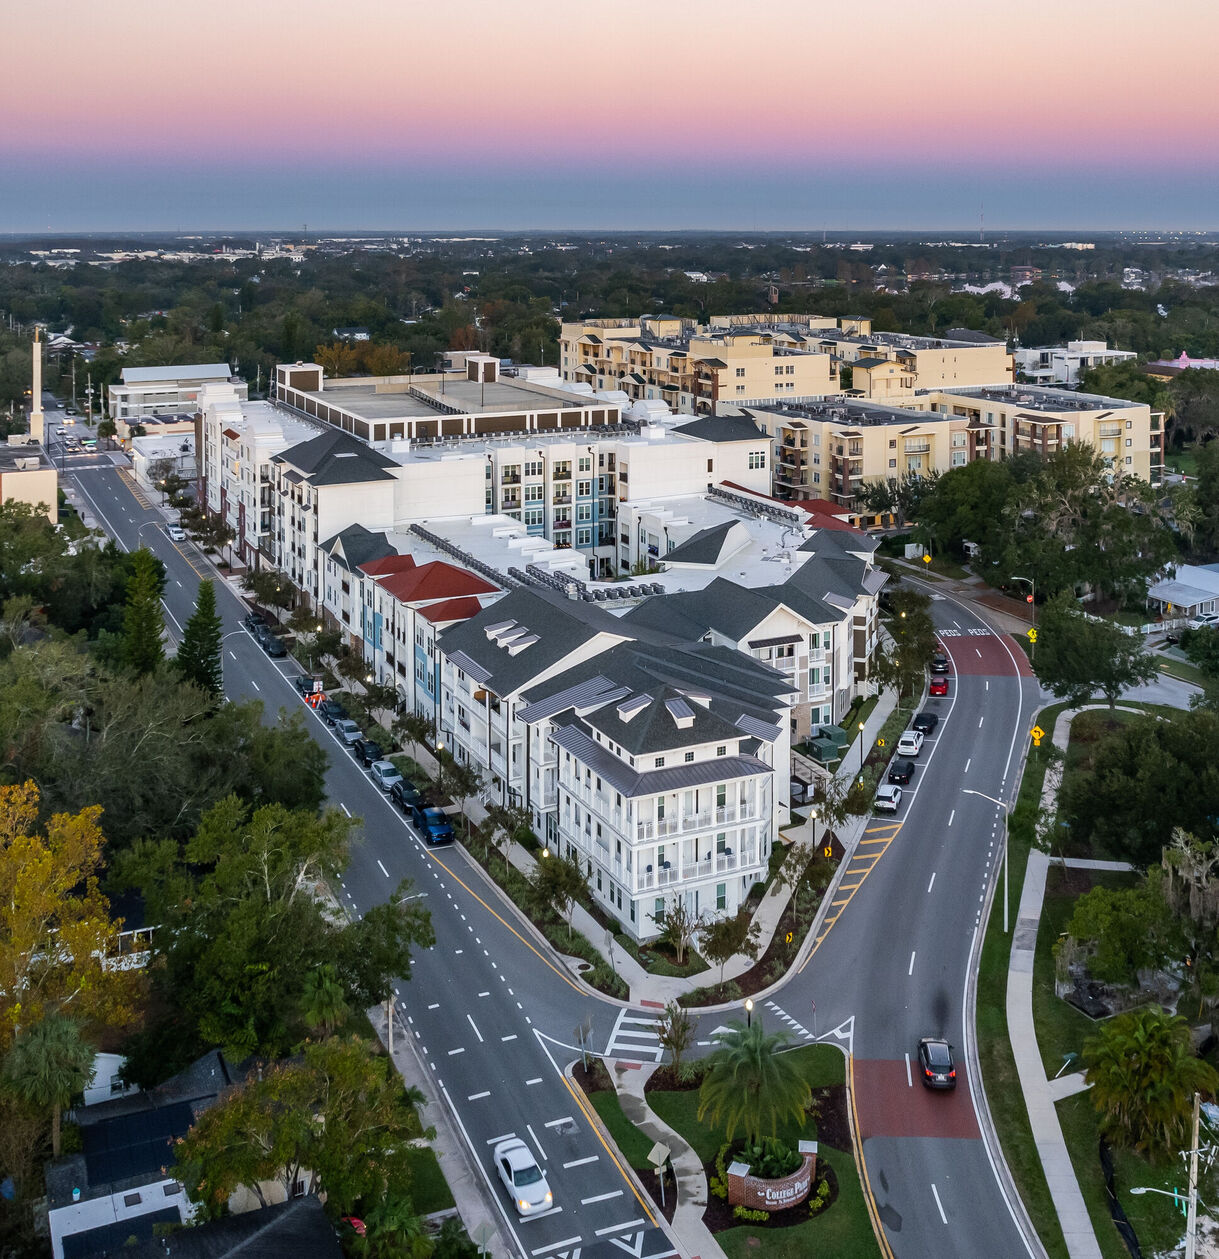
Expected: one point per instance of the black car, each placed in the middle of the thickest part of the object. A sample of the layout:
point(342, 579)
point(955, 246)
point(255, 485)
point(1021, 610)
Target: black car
point(405, 795)
point(330, 710)
point(901, 772)
point(273, 647)
point(255, 621)
point(935, 1059)
point(306, 683)
point(939, 663)
point(366, 751)
point(926, 722)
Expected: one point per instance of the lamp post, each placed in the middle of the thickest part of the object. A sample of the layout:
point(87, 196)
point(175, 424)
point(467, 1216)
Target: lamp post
point(861, 749)
point(748, 1011)
point(1032, 595)
point(968, 791)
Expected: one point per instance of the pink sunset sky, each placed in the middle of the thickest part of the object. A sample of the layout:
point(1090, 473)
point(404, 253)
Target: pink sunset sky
point(693, 114)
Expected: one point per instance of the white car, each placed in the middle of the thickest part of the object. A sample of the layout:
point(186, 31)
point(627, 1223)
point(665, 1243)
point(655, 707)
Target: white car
point(176, 533)
point(1204, 620)
point(384, 774)
point(888, 797)
point(522, 1177)
point(911, 743)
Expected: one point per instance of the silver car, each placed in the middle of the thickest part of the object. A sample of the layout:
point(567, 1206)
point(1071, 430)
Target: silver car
point(348, 731)
point(384, 774)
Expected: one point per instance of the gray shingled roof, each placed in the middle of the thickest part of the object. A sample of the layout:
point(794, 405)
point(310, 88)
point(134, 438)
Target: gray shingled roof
point(724, 428)
point(655, 728)
point(287, 1230)
point(336, 458)
point(705, 547)
point(356, 545)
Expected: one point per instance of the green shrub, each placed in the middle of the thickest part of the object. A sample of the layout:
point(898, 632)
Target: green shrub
point(750, 1216)
point(771, 1159)
point(713, 995)
point(820, 1198)
point(607, 980)
point(719, 1182)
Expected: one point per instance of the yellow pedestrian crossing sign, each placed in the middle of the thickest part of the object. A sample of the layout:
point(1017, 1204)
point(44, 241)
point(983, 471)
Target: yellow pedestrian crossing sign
point(1031, 636)
point(1038, 734)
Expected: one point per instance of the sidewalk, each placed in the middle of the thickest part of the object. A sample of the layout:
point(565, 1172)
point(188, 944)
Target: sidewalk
point(694, 1237)
point(1040, 1093)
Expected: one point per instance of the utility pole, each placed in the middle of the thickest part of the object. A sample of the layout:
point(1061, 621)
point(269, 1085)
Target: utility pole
point(89, 398)
point(1191, 1223)
point(74, 380)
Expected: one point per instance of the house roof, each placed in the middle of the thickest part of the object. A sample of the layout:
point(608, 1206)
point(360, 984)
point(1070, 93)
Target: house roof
point(435, 580)
point(449, 610)
point(723, 428)
point(388, 564)
point(705, 547)
point(666, 722)
point(336, 458)
point(356, 546)
point(286, 1230)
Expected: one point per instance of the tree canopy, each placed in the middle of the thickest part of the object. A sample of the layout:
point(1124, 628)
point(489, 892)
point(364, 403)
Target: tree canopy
point(1077, 655)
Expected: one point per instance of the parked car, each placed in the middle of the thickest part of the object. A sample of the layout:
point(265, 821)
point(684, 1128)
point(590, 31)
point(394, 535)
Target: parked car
point(939, 663)
point(433, 824)
point(404, 794)
point(887, 799)
point(939, 686)
point(273, 646)
point(935, 1058)
point(911, 743)
point(347, 730)
point(901, 772)
point(366, 751)
point(385, 774)
point(306, 683)
point(522, 1177)
point(1204, 620)
point(330, 711)
point(176, 533)
point(926, 722)
point(255, 622)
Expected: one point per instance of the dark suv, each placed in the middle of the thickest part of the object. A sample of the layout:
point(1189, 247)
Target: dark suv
point(901, 772)
point(938, 1067)
point(926, 722)
point(939, 663)
point(366, 751)
point(331, 711)
point(405, 795)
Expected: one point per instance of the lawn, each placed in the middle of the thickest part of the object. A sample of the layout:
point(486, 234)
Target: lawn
point(634, 1146)
point(1157, 1222)
point(1061, 1028)
point(429, 1189)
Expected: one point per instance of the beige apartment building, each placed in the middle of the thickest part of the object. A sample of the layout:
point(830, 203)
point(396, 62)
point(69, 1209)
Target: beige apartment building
point(695, 369)
point(891, 364)
point(830, 449)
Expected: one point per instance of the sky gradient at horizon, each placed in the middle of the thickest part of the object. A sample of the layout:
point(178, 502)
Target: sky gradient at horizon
point(786, 115)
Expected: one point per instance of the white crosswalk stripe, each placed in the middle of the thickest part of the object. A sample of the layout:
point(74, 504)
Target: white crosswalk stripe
point(635, 1036)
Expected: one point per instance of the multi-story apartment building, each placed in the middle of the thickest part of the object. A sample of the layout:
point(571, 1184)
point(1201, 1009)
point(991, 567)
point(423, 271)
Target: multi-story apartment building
point(661, 765)
point(694, 370)
point(830, 449)
point(235, 443)
point(885, 365)
point(167, 390)
point(1062, 364)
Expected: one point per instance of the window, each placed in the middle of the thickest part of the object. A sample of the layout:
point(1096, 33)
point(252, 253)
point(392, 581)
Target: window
point(740, 388)
point(533, 468)
point(740, 371)
point(757, 458)
point(689, 757)
point(584, 489)
point(585, 465)
point(722, 750)
point(533, 493)
point(658, 909)
point(892, 445)
point(584, 537)
point(721, 895)
point(893, 463)
point(660, 764)
point(584, 511)
point(533, 516)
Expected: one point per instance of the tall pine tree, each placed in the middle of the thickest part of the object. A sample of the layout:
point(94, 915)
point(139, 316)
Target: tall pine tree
point(143, 621)
point(199, 652)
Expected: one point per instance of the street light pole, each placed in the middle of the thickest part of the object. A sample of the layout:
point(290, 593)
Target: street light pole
point(968, 791)
point(748, 1012)
point(861, 749)
point(1032, 593)
point(1191, 1221)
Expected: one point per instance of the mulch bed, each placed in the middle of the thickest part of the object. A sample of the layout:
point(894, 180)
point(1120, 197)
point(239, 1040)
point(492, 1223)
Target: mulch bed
point(594, 1079)
point(651, 1182)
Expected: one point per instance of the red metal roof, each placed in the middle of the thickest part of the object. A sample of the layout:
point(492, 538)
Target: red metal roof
point(437, 580)
point(389, 564)
point(451, 610)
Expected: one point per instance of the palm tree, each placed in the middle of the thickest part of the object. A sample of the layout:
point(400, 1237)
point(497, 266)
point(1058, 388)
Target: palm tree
point(48, 1065)
point(323, 1001)
point(1143, 1074)
point(750, 1086)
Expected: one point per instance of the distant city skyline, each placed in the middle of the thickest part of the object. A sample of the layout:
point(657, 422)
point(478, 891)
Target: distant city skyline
point(787, 116)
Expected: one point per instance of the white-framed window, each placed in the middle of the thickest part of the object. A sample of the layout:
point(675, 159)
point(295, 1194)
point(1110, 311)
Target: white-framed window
point(533, 516)
point(584, 537)
point(659, 763)
point(757, 458)
point(586, 464)
point(740, 371)
point(584, 489)
point(721, 896)
point(584, 511)
point(533, 467)
point(689, 757)
point(534, 493)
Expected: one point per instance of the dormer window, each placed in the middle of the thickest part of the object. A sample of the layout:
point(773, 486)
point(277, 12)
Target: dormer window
point(659, 762)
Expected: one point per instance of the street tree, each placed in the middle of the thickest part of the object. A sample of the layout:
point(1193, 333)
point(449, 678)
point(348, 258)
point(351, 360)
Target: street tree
point(558, 883)
point(415, 728)
point(1078, 655)
point(377, 949)
point(675, 1029)
point(462, 780)
point(143, 620)
point(903, 495)
point(1143, 1073)
point(679, 925)
point(722, 939)
point(339, 1113)
point(270, 588)
point(55, 924)
point(504, 822)
point(198, 659)
point(1125, 930)
point(47, 1065)
point(323, 999)
point(750, 1086)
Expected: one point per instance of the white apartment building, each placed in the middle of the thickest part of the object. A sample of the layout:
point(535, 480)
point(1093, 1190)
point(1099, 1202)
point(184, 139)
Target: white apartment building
point(1062, 364)
point(661, 764)
point(167, 390)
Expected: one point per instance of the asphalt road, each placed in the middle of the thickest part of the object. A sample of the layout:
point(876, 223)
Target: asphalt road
point(492, 1016)
point(495, 1019)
